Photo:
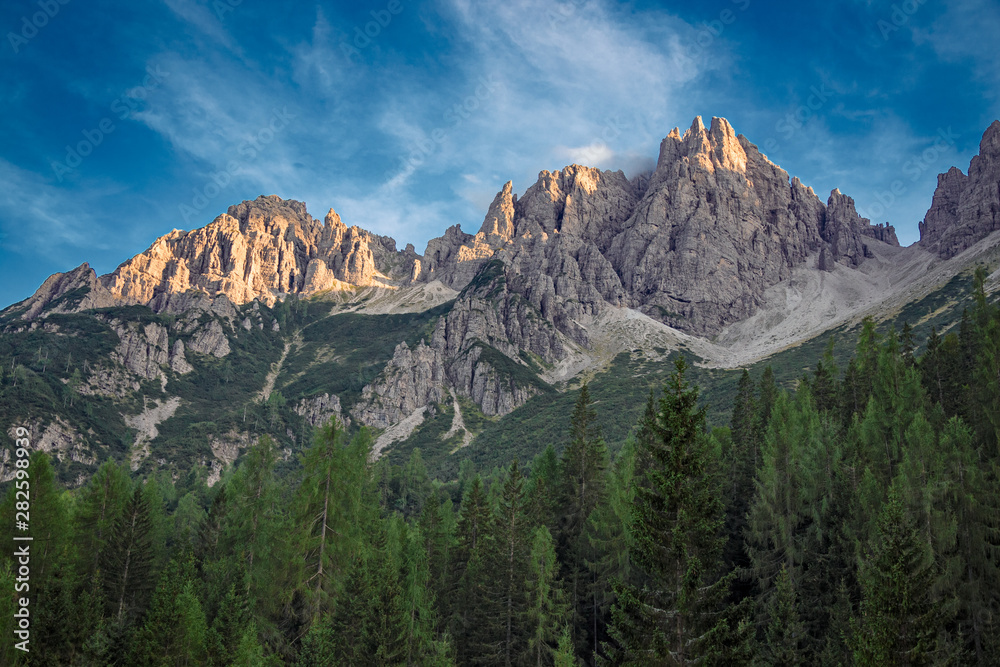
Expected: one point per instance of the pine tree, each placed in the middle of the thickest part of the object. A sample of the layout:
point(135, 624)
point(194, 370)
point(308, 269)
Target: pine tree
point(253, 530)
point(898, 622)
point(100, 504)
point(676, 526)
point(418, 597)
point(471, 575)
point(768, 389)
point(793, 495)
point(742, 462)
point(229, 627)
point(583, 466)
point(836, 650)
point(437, 547)
point(331, 508)
point(187, 520)
point(510, 532)
point(608, 530)
point(565, 656)
point(986, 373)
point(546, 610)
point(785, 631)
point(388, 627)
point(907, 344)
point(127, 565)
point(544, 488)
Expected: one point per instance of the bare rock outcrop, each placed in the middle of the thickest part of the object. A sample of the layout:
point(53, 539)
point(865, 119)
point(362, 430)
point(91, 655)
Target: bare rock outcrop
point(141, 349)
point(411, 379)
point(262, 249)
point(210, 339)
point(81, 288)
point(318, 410)
point(966, 207)
point(456, 257)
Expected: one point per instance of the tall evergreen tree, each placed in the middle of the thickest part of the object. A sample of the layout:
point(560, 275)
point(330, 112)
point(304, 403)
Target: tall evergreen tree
point(785, 632)
point(102, 500)
point(254, 524)
point(898, 622)
point(583, 466)
point(472, 576)
point(546, 609)
point(677, 521)
point(331, 510)
point(510, 533)
point(127, 564)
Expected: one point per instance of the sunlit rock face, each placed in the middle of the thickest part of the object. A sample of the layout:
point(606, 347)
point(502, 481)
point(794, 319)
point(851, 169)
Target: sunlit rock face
point(262, 249)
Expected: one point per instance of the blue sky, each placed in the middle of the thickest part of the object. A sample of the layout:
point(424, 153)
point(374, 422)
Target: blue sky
point(125, 120)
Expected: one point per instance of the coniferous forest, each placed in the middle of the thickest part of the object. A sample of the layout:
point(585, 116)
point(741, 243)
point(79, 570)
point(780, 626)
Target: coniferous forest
point(854, 520)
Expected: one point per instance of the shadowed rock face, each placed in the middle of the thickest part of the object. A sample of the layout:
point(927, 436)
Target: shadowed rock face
point(965, 208)
point(694, 244)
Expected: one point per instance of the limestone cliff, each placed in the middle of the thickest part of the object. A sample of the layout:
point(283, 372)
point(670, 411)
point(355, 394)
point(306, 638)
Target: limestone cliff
point(262, 249)
point(966, 207)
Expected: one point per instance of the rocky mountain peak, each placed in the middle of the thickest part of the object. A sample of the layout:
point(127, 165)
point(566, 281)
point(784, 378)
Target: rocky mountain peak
point(264, 249)
point(965, 208)
point(718, 147)
point(81, 281)
point(498, 227)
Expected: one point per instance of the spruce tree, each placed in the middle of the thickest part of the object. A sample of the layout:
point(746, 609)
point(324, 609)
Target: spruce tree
point(676, 526)
point(127, 564)
point(583, 466)
point(472, 575)
point(102, 500)
point(546, 609)
point(785, 632)
point(898, 622)
point(508, 560)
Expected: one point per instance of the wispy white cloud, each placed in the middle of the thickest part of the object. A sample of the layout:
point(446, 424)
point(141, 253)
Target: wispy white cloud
point(39, 218)
point(967, 31)
point(207, 19)
point(590, 82)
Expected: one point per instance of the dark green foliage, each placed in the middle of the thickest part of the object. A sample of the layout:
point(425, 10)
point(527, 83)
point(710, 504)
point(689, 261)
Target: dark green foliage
point(785, 632)
point(677, 539)
point(898, 622)
point(581, 491)
point(127, 561)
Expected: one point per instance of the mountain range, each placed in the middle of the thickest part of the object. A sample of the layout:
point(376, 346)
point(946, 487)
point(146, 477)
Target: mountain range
point(268, 320)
